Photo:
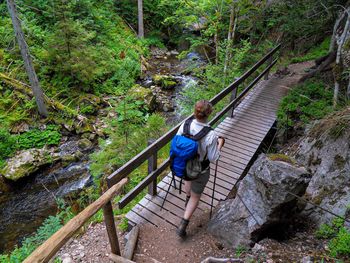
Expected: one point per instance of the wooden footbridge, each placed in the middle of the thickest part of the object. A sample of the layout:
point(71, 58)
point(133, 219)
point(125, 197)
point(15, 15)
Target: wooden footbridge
point(244, 122)
point(251, 116)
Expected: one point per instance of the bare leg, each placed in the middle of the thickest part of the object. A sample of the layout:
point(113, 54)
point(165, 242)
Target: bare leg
point(187, 187)
point(192, 205)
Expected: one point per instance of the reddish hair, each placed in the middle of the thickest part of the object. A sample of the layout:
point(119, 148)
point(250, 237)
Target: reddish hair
point(202, 109)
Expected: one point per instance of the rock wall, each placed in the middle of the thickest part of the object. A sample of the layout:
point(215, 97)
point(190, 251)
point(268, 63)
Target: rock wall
point(325, 150)
point(263, 200)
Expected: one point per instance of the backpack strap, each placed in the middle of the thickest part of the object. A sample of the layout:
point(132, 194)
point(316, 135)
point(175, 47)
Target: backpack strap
point(187, 125)
point(203, 132)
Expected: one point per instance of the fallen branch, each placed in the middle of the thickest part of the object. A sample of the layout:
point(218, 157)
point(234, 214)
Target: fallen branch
point(222, 260)
point(52, 103)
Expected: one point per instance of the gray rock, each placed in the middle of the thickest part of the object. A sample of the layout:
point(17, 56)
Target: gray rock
point(261, 202)
point(328, 158)
point(27, 162)
point(84, 144)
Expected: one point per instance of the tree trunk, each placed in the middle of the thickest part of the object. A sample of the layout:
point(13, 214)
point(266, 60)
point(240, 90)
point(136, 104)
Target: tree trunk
point(216, 41)
point(340, 41)
point(28, 64)
point(229, 39)
point(140, 19)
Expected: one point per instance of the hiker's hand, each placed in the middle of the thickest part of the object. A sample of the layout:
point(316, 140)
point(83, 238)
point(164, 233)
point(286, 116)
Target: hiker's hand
point(221, 142)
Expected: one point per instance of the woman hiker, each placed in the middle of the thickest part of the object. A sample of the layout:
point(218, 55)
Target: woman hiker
point(208, 149)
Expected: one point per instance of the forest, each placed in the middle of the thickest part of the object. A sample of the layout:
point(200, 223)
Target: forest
point(86, 85)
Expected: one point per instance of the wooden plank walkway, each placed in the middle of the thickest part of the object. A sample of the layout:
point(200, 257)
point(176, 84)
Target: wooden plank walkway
point(244, 133)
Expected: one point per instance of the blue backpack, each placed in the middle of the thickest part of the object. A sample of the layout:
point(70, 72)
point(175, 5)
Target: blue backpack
point(183, 148)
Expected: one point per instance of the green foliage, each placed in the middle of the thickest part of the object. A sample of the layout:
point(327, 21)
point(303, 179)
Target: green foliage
point(115, 151)
point(37, 139)
point(301, 22)
point(212, 81)
point(124, 224)
point(240, 250)
point(306, 102)
point(7, 144)
point(315, 52)
point(34, 138)
point(339, 245)
point(51, 225)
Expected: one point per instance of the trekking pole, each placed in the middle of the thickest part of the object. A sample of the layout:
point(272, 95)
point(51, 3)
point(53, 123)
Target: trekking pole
point(172, 179)
point(212, 197)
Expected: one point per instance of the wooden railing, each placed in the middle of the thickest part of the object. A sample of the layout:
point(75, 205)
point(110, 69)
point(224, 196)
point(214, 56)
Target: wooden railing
point(150, 153)
point(50, 247)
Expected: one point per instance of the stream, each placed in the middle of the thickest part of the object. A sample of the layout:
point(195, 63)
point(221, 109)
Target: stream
point(34, 198)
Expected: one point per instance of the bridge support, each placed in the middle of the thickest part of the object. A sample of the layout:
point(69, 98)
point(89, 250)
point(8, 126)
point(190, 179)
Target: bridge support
point(233, 96)
point(152, 166)
point(111, 230)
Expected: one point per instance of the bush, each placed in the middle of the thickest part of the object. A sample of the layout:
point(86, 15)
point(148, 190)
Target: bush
point(7, 144)
point(308, 101)
point(37, 139)
point(339, 245)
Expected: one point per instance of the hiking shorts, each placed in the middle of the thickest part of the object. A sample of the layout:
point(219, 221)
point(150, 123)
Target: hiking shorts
point(198, 185)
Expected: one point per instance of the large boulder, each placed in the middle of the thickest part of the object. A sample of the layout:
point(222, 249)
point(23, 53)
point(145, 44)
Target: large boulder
point(143, 94)
point(325, 149)
point(27, 162)
point(263, 201)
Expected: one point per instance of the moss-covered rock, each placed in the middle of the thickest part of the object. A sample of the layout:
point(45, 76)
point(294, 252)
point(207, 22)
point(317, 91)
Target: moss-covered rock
point(143, 94)
point(84, 144)
point(165, 81)
point(27, 162)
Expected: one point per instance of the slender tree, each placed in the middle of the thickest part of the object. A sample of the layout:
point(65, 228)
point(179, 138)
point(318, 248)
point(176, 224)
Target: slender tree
point(28, 64)
point(141, 33)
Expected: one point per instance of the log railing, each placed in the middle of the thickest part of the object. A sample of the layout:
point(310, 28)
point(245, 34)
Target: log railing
point(150, 153)
point(50, 247)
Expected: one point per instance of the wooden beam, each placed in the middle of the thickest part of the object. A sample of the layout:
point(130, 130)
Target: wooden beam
point(50, 247)
point(118, 259)
point(131, 244)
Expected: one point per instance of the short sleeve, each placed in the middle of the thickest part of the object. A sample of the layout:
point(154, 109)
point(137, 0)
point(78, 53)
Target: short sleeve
point(180, 130)
point(212, 146)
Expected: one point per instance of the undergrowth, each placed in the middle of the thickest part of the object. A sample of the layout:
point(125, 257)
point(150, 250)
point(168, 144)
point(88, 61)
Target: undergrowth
point(305, 102)
point(34, 138)
point(339, 235)
point(315, 52)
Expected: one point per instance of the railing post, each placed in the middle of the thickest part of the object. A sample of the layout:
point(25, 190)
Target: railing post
point(110, 227)
point(269, 61)
point(152, 166)
point(233, 96)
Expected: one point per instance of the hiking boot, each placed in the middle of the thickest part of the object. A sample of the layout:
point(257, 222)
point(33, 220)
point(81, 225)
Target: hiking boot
point(187, 199)
point(181, 230)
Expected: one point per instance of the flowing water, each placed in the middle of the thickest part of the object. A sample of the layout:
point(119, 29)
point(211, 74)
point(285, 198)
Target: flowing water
point(32, 199)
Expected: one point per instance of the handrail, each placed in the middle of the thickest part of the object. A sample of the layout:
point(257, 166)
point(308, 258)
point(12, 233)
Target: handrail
point(152, 176)
point(135, 162)
point(50, 247)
